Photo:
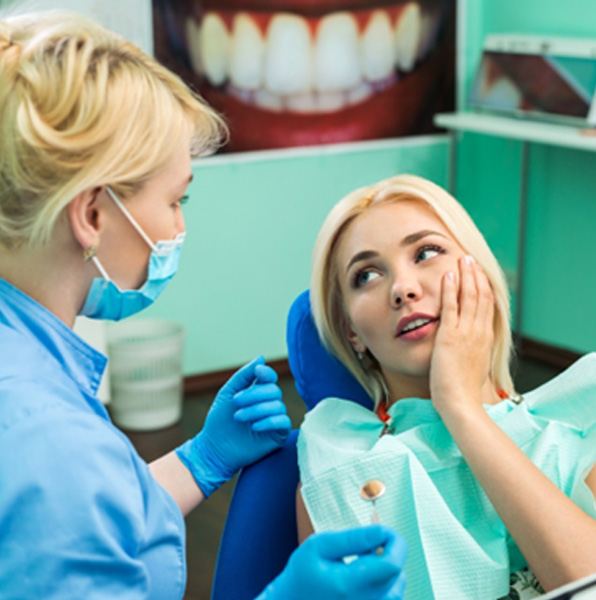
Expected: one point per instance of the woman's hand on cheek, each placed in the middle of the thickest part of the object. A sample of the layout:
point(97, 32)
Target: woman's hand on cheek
point(460, 363)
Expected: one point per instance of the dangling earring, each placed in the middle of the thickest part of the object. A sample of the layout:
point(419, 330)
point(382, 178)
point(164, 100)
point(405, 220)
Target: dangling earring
point(89, 253)
point(360, 355)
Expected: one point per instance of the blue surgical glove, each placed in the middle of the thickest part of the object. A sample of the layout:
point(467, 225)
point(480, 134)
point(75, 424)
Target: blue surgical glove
point(246, 421)
point(317, 571)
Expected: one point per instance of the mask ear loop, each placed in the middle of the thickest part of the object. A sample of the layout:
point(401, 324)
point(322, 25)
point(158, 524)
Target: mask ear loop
point(100, 268)
point(130, 218)
point(89, 256)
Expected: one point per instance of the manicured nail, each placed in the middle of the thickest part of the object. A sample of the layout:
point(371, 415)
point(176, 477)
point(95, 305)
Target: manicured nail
point(450, 276)
point(469, 260)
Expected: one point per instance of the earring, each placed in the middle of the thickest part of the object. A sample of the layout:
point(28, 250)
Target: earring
point(360, 356)
point(89, 253)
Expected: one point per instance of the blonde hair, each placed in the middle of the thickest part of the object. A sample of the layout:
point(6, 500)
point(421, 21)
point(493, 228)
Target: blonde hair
point(325, 292)
point(80, 107)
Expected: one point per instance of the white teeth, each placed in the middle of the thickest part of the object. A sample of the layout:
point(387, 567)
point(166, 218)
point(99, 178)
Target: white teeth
point(290, 69)
point(330, 101)
point(376, 47)
point(302, 103)
point(337, 61)
point(215, 47)
point(267, 100)
point(246, 54)
point(407, 37)
point(288, 62)
point(415, 324)
point(360, 93)
point(194, 45)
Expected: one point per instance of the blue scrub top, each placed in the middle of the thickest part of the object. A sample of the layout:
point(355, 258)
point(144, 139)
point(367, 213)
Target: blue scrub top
point(80, 514)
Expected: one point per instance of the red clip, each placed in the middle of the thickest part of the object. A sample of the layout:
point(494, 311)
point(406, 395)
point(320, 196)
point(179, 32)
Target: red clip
point(382, 412)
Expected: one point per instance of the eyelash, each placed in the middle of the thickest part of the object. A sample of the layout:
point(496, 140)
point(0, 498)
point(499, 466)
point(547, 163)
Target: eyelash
point(355, 281)
point(181, 201)
point(426, 247)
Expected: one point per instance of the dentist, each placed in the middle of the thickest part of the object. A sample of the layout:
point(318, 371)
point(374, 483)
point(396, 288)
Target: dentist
point(95, 147)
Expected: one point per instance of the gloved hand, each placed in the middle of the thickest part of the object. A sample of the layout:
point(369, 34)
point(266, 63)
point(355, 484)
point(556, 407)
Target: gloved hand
point(246, 421)
point(316, 570)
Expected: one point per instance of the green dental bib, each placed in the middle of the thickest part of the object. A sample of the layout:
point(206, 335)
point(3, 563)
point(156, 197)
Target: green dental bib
point(457, 545)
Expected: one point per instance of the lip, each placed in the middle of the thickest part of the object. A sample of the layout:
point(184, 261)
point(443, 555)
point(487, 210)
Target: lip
point(403, 322)
point(299, 6)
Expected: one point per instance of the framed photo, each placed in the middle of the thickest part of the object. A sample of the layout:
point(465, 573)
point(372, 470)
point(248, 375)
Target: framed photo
point(288, 73)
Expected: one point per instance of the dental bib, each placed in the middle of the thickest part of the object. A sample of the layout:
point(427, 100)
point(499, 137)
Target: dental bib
point(458, 547)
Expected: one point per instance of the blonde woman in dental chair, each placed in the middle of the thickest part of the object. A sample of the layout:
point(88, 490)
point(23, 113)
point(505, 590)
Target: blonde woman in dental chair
point(493, 492)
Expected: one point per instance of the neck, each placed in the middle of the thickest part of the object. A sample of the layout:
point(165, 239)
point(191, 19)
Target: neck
point(49, 275)
point(407, 387)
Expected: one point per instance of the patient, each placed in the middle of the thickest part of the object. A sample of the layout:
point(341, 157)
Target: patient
point(489, 489)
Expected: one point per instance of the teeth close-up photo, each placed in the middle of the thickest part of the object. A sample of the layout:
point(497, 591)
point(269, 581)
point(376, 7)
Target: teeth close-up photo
point(291, 73)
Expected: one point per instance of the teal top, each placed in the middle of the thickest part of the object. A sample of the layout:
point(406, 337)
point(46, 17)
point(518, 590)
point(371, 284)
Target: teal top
point(458, 545)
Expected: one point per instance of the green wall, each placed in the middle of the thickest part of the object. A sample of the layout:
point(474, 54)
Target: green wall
point(252, 221)
point(560, 268)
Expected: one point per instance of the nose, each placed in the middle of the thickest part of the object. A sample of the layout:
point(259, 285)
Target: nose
point(180, 223)
point(405, 290)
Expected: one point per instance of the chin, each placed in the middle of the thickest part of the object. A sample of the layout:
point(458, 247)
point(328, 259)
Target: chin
point(303, 72)
point(415, 365)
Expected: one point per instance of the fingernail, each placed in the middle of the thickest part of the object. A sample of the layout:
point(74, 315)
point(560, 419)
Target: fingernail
point(449, 276)
point(469, 260)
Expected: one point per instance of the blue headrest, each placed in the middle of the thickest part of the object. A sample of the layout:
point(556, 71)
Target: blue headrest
point(317, 373)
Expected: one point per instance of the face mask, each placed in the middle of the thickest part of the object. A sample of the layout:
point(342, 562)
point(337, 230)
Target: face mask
point(105, 300)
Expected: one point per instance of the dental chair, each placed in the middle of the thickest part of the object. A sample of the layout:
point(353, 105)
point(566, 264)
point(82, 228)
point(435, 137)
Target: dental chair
point(260, 530)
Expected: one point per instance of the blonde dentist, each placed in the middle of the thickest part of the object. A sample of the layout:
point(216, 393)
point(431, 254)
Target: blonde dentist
point(95, 146)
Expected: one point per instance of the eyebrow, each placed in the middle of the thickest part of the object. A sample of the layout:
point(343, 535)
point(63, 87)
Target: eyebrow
point(410, 239)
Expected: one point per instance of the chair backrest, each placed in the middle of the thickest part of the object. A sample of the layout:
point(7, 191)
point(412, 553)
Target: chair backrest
point(317, 373)
point(260, 531)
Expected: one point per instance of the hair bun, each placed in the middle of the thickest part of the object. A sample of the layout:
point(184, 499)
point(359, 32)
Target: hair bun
point(10, 51)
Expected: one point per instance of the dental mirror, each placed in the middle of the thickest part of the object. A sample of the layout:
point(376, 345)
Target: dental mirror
point(371, 491)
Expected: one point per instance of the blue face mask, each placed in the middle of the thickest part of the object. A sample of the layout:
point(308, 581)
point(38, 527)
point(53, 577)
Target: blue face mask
point(105, 300)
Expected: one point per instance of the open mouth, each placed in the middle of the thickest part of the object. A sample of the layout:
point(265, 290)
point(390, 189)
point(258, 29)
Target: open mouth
point(415, 325)
point(306, 77)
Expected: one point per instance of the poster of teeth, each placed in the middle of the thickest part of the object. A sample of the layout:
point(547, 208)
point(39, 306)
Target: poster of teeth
point(288, 73)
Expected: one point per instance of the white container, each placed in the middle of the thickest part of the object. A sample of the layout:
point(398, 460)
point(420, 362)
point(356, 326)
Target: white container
point(146, 373)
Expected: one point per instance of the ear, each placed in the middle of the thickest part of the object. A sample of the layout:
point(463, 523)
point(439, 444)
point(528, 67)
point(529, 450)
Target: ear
point(355, 341)
point(84, 217)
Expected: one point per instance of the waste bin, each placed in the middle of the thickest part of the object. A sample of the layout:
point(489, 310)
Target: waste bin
point(146, 373)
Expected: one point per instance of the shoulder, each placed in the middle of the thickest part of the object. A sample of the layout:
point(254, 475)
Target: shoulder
point(28, 375)
point(570, 397)
point(19, 353)
point(339, 407)
point(335, 415)
point(332, 431)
